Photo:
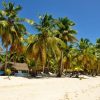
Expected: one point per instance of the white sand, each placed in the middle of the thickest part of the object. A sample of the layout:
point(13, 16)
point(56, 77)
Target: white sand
point(19, 88)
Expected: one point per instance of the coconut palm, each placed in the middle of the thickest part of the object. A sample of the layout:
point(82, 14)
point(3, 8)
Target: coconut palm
point(66, 34)
point(45, 40)
point(97, 52)
point(11, 28)
point(65, 31)
point(87, 55)
point(38, 49)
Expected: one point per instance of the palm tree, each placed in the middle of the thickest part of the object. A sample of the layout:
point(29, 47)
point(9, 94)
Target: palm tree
point(97, 52)
point(66, 34)
point(45, 40)
point(11, 28)
point(87, 55)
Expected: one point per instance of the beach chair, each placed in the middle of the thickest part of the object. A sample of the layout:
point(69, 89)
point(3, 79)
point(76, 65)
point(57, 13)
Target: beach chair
point(52, 74)
point(43, 74)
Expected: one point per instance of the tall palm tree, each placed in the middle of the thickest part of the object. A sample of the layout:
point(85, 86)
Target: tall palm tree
point(11, 28)
point(66, 34)
point(45, 40)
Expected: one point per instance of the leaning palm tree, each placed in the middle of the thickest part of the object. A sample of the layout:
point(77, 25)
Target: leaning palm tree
point(11, 28)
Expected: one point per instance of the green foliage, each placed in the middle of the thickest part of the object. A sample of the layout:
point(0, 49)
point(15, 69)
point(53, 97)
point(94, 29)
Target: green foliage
point(54, 46)
point(53, 65)
point(8, 72)
point(31, 63)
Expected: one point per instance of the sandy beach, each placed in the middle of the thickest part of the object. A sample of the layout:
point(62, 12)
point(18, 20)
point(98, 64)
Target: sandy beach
point(19, 88)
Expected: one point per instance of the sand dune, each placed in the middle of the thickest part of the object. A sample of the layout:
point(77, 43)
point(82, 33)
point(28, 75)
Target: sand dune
point(19, 88)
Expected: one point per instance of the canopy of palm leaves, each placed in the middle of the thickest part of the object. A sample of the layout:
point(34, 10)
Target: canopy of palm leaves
point(10, 28)
point(65, 31)
point(45, 41)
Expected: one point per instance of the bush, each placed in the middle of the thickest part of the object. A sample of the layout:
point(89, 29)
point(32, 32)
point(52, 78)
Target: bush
point(8, 72)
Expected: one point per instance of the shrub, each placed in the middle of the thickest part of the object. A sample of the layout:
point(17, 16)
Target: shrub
point(8, 72)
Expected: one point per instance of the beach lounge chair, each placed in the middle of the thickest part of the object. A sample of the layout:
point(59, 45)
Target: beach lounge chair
point(43, 74)
point(52, 74)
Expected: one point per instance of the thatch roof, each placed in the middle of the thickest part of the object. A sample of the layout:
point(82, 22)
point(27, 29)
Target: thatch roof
point(20, 66)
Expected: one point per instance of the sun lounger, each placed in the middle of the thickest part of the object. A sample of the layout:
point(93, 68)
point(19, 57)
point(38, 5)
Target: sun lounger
point(52, 74)
point(43, 74)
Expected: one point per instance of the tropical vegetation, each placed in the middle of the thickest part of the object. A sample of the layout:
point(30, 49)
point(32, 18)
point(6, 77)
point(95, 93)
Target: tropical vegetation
point(53, 48)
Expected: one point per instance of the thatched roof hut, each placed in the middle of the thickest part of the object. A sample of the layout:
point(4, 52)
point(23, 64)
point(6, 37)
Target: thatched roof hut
point(20, 66)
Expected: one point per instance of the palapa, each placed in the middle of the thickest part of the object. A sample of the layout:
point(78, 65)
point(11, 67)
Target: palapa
point(20, 66)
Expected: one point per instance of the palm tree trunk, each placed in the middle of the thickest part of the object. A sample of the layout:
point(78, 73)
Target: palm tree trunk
point(36, 72)
point(48, 66)
point(43, 68)
point(6, 58)
point(61, 65)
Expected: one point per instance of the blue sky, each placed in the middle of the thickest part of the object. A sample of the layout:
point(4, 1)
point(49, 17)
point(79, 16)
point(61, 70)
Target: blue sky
point(85, 13)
